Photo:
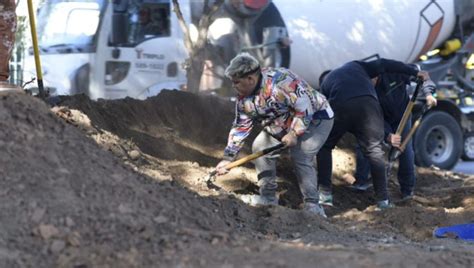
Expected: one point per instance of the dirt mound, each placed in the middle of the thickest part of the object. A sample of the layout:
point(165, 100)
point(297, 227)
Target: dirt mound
point(120, 184)
point(175, 125)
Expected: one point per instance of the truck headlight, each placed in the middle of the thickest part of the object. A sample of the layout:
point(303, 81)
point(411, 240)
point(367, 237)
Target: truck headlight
point(116, 71)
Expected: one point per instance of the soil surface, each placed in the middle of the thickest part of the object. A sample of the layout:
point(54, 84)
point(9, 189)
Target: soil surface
point(121, 183)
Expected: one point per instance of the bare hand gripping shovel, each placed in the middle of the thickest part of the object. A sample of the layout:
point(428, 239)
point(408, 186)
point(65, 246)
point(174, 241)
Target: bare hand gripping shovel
point(396, 152)
point(210, 179)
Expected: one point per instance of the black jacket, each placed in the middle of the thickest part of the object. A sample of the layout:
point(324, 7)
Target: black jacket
point(353, 79)
point(393, 96)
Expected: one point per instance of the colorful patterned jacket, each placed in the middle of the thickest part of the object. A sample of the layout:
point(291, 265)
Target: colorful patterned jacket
point(281, 102)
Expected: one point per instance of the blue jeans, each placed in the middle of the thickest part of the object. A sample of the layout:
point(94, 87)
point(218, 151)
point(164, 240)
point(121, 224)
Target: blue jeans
point(303, 155)
point(406, 165)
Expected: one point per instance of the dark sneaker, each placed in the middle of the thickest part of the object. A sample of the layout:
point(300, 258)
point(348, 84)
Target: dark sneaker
point(384, 204)
point(407, 197)
point(258, 200)
point(325, 199)
point(315, 209)
point(361, 186)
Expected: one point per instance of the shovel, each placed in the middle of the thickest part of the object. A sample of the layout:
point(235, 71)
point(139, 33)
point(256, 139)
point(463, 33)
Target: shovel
point(210, 179)
point(396, 152)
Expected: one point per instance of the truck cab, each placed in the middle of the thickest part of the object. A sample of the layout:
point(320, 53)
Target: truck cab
point(109, 49)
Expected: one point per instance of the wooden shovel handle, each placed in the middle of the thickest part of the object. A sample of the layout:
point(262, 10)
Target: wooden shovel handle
point(253, 156)
point(411, 103)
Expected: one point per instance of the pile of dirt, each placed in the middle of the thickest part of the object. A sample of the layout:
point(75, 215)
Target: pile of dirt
point(120, 183)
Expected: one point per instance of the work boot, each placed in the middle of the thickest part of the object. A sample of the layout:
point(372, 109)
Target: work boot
point(6, 87)
point(325, 198)
point(384, 204)
point(315, 209)
point(258, 200)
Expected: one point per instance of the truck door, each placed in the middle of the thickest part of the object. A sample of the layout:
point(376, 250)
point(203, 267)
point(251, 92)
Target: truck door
point(140, 51)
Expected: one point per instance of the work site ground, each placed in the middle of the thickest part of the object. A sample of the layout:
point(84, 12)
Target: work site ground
point(121, 183)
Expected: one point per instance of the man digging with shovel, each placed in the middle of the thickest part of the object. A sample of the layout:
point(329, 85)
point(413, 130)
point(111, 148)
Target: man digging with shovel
point(291, 112)
point(352, 94)
point(396, 106)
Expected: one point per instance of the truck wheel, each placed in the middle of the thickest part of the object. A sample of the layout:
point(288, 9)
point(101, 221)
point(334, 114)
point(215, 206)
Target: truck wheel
point(468, 152)
point(438, 141)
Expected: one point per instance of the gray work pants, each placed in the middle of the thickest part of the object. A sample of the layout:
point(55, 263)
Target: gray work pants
point(303, 156)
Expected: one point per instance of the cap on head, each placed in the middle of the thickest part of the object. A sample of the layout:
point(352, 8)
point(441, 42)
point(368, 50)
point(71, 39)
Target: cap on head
point(242, 65)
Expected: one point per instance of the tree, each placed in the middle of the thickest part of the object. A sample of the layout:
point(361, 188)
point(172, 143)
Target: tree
point(194, 65)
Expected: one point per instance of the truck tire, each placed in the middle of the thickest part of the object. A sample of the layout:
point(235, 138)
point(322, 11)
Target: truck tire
point(468, 152)
point(438, 141)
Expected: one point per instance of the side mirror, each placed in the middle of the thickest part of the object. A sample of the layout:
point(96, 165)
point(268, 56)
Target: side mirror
point(119, 28)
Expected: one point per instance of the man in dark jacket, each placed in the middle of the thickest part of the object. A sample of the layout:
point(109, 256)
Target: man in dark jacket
point(394, 98)
point(351, 93)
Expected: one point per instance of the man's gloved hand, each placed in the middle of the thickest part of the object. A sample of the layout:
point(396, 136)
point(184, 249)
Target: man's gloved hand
point(220, 168)
point(394, 139)
point(290, 139)
point(431, 101)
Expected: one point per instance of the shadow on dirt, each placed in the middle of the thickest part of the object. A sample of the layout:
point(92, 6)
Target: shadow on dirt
point(181, 136)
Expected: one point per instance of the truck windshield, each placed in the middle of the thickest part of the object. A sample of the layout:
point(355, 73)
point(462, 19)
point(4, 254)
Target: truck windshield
point(68, 25)
point(147, 19)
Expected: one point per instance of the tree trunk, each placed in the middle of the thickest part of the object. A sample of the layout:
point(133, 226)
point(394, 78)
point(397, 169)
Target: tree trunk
point(194, 72)
point(196, 50)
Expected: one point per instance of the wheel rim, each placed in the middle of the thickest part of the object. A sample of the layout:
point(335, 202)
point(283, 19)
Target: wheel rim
point(469, 147)
point(439, 144)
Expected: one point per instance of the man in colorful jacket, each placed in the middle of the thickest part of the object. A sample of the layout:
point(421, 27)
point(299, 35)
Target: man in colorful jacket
point(291, 112)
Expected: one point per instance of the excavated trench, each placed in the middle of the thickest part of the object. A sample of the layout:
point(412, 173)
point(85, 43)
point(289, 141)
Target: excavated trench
point(120, 183)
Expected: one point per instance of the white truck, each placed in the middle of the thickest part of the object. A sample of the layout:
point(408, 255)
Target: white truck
point(134, 48)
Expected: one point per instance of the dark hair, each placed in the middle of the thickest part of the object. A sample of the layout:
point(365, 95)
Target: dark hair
point(322, 76)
